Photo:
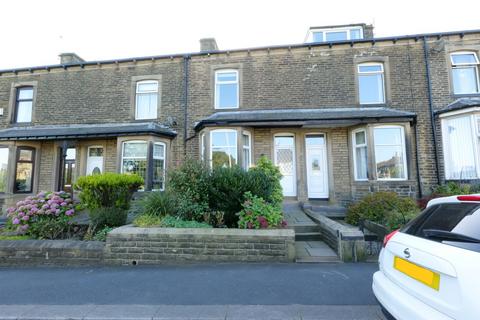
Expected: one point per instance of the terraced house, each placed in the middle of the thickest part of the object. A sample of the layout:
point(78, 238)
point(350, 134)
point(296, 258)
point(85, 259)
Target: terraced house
point(342, 114)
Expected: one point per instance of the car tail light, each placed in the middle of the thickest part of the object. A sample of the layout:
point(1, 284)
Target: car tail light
point(468, 198)
point(388, 237)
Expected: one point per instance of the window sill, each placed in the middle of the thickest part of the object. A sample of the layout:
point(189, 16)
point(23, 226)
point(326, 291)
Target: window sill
point(226, 108)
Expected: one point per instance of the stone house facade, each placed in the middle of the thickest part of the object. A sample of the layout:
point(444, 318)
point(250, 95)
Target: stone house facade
point(342, 114)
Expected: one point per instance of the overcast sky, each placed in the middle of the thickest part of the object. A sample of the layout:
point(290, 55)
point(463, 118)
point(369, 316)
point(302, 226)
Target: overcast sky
point(34, 32)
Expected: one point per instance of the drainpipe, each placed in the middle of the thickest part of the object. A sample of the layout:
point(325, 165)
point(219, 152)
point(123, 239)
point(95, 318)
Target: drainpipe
point(430, 105)
point(186, 59)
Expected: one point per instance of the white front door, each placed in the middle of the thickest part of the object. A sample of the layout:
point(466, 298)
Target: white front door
point(285, 160)
point(94, 160)
point(317, 171)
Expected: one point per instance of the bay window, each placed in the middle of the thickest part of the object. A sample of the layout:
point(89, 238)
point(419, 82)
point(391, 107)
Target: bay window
point(158, 166)
point(134, 158)
point(247, 150)
point(460, 147)
point(359, 138)
point(390, 160)
point(3, 169)
point(465, 72)
point(24, 169)
point(223, 148)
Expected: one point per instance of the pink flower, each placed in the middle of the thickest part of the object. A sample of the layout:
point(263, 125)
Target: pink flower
point(15, 221)
point(249, 225)
point(69, 212)
point(26, 218)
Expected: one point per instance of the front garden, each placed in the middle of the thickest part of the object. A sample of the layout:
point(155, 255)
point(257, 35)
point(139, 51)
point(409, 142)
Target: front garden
point(196, 197)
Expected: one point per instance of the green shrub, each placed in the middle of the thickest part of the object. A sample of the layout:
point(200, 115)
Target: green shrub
point(452, 188)
point(395, 219)
point(147, 220)
point(101, 235)
point(20, 237)
point(377, 206)
point(259, 214)
point(45, 227)
point(175, 222)
point(266, 166)
point(108, 190)
point(107, 217)
point(159, 203)
point(191, 185)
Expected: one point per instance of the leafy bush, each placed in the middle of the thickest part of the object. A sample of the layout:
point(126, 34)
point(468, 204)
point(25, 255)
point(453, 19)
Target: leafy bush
point(159, 203)
point(449, 189)
point(147, 220)
point(46, 215)
point(107, 217)
point(101, 235)
point(377, 206)
point(191, 184)
point(259, 214)
point(108, 190)
point(274, 176)
point(175, 222)
point(395, 219)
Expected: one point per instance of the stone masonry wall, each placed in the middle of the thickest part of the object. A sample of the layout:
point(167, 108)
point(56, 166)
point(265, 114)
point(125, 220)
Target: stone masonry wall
point(129, 245)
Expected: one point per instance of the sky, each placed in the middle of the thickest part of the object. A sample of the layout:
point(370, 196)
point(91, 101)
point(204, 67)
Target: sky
point(33, 33)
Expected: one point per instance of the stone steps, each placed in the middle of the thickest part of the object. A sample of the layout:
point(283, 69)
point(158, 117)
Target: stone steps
point(308, 236)
point(328, 210)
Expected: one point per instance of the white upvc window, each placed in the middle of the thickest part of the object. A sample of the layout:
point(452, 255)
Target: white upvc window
point(134, 158)
point(390, 155)
point(146, 100)
point(465, 72)
point(336, 34)
point(223, 148)
point(4, 153)
point(360, 163)
point(159, 164)
point(371, 83)
point(460, 136)
point(247, 150)
point(203, 146)
point(226, 89)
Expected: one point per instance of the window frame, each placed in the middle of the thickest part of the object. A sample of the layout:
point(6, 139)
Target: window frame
point(211, 146)
point(354, 149)
point(404, 151)
point(340, 29)
point(33, 162)
point(7, 173)
point(17, 102)
point(474, 118)
point(164, 158)
point(137, 84)
point(381, 73)
point(249, 148)
point(146, 159)
point(216, 95)
point(475, 65)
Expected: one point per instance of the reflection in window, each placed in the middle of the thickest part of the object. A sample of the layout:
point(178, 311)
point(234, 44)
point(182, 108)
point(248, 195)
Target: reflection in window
point(226, 89)
point(390, 153)
point(158, 166)
point(223, 148)
point(134, 158)
point(24, 170)
point(360, 154)
point(3, 168)
point(371, 83)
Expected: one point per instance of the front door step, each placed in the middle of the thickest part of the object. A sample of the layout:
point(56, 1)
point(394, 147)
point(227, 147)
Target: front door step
point(330, 211)
point(314, 252)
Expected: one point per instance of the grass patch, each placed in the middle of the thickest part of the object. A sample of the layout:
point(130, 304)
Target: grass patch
point(23, 237)
point(150, 221)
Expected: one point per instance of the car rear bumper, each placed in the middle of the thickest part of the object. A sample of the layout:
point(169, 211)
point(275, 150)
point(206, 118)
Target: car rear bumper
point(400, 304)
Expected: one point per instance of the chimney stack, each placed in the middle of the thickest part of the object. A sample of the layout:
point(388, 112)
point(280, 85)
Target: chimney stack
point(208, 44)
point(70, 57)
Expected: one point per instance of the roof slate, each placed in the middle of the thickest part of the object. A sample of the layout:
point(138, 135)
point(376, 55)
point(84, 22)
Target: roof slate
point(459, 104)
point(332, 115)
point(51, 132)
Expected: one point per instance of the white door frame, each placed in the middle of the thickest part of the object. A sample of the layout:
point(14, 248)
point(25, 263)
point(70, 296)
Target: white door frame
point(294, 166)
point(88, 156)
point(310, 194)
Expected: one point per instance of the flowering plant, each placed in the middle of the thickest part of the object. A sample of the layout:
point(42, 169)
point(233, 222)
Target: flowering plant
point(43, 206)
point(259, 214)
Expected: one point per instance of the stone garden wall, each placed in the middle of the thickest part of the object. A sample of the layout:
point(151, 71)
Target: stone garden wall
point(131, 245)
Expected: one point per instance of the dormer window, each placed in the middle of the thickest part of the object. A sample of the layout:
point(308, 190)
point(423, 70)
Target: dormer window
point(336, 34)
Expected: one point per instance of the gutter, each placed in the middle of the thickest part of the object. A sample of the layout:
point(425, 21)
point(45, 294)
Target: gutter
point(430, 106)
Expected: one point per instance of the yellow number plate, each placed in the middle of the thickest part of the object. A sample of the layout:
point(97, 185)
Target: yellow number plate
point(421, 274)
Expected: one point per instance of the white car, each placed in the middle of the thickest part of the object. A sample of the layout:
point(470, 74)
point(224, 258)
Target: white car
point(430, 269)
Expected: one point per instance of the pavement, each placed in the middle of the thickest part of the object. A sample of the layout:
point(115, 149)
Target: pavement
point(205, 291)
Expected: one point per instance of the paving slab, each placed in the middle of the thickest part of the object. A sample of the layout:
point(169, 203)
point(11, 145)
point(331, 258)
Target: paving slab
point(48, 312)
point(341, 313)
point(177, 312)
point(130, 312)
point(263, 312)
